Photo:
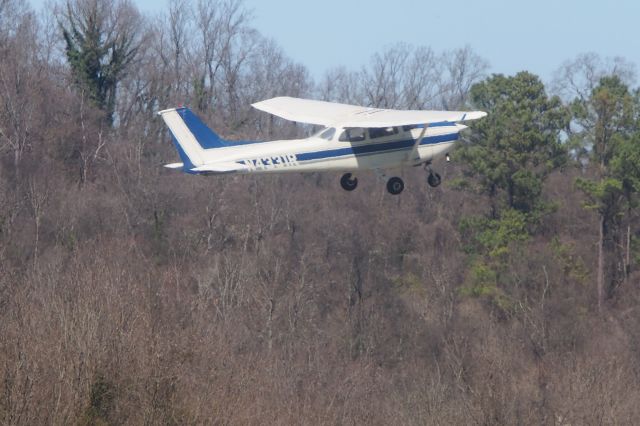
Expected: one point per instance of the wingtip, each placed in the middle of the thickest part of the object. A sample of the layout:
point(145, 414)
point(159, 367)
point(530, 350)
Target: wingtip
point(257, 105)
point(270, 101)
point(473, 115)
point(164, 111)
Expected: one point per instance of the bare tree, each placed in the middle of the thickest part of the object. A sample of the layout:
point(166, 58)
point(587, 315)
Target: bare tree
point(224, 44)
point(341, 85)
point(21, 71)
point(576, 78)
point(422, 74)
point(271, 73)
point(209, 22)
point(178, 20)
point(382, 79)
point(11, 14)
point(462, 69)
point(407, 77)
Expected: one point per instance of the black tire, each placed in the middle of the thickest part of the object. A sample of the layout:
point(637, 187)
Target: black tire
point(395, 185)
point(347, 183)
point(434, 180)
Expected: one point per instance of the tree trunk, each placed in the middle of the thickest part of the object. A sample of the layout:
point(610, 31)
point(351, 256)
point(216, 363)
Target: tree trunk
point(627, 260)
point(16, 163)
point(600, 278)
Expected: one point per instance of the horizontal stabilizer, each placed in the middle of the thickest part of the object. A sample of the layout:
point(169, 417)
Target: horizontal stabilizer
point(174, 165)
point(224, 167)
point(343, 115)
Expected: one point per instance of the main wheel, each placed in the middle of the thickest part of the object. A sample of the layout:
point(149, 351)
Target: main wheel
point(347, 183)
point(395, 185)
point(434, 179)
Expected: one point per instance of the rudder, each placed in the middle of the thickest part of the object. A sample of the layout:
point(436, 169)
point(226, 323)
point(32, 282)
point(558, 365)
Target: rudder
point(190, 136)
point(205, 137)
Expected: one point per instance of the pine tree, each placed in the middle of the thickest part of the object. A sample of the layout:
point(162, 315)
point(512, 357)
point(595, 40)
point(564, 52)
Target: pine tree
point(513, 150)
point(608, 132)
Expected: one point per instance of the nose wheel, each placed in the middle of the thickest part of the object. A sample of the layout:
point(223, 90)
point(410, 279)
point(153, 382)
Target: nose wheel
point(348, 182)
point(395, 185)
point(434, 179)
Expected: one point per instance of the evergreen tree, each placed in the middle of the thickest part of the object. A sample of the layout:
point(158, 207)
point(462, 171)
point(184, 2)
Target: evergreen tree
point(512, 151)
point(101, 41)
point(608, 123)
point(507, 157)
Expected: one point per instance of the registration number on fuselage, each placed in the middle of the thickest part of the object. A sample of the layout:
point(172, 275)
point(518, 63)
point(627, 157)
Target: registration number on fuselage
point(271, 162)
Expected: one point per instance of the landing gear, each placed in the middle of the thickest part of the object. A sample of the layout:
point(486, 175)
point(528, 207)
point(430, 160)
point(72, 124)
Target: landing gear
point(395, 185)
point(434, 179)
point(348, 183)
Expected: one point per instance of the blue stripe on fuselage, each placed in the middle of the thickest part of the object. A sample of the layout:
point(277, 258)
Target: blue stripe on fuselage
point(377, 148)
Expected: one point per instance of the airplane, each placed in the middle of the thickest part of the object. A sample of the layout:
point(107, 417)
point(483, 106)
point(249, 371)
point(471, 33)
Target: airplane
point(353, 138)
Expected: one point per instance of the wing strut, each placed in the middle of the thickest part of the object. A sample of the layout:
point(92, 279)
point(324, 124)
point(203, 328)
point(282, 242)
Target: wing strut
point(417, 143)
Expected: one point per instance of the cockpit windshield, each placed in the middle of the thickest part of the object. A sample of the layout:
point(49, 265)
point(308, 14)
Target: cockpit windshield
point(328, 134)
point(325, 133)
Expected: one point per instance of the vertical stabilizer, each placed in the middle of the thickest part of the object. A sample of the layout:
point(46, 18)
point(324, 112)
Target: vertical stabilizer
point(188, 147)
point(206, 138)
point(190, 136)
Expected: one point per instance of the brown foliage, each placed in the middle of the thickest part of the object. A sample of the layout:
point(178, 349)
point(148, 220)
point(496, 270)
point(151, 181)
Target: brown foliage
point(133, 295)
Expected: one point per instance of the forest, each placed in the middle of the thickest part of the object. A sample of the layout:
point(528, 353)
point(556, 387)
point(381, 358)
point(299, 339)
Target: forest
point(133, 294)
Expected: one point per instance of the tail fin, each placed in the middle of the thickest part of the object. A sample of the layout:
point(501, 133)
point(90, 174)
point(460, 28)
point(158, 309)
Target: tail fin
point(190, 136)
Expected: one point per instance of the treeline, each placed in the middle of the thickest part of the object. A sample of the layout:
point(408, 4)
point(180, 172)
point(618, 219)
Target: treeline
point(130, 294)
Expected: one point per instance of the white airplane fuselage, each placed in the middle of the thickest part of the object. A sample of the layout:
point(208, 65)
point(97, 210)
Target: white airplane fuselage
point(324, 154)
point(354, 138)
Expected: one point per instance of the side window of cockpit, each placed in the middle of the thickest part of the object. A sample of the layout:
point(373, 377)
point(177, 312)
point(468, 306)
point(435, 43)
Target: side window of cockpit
point(328, 134)
point(355, 134)
point(381, 132)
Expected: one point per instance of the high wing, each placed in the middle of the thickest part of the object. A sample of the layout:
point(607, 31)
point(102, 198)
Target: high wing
point(343, 115)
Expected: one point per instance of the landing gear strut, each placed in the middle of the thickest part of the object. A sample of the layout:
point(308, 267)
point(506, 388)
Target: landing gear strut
point(348, 183)
point(433, 179)
point(395, 185)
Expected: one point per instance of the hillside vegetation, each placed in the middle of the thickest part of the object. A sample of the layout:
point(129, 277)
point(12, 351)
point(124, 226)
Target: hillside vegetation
point(133, 294)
